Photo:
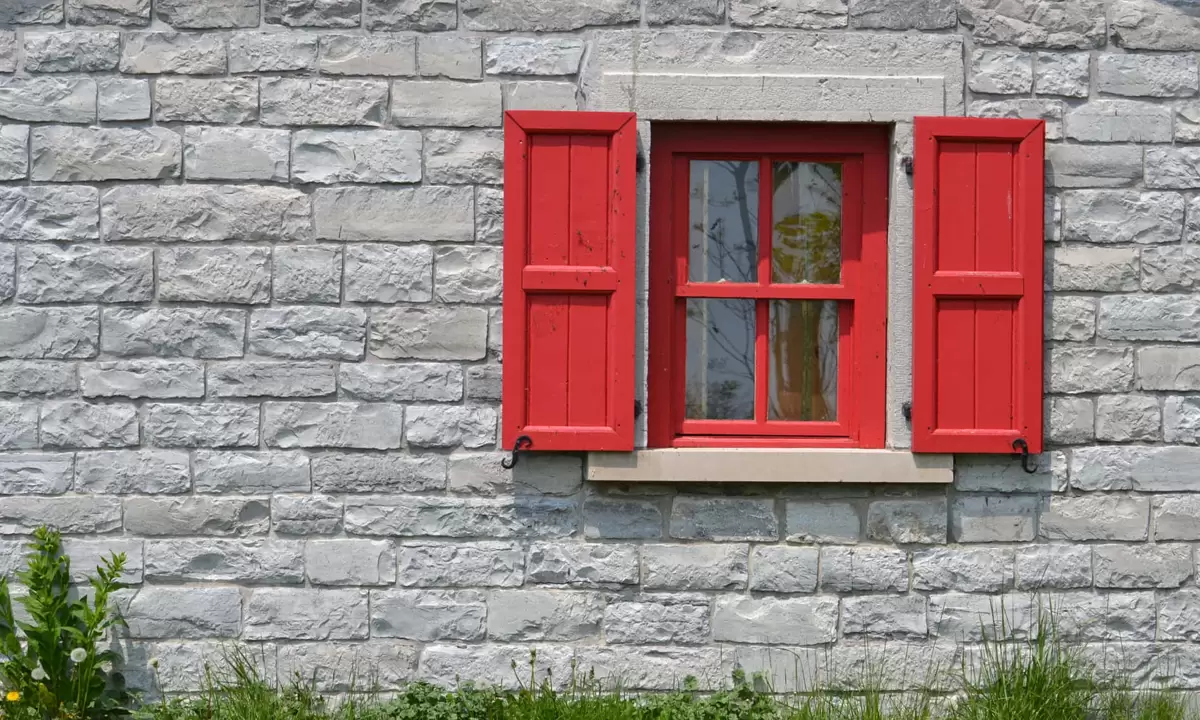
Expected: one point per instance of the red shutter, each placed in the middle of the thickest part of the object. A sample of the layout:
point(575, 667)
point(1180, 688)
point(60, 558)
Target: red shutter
point(977, 285)
point(569, 278)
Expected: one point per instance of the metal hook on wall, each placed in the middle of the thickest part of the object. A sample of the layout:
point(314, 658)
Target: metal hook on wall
point(1022, 449)
point(523, 443)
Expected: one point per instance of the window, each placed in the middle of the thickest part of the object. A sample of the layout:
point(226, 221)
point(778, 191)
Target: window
point(767, 285)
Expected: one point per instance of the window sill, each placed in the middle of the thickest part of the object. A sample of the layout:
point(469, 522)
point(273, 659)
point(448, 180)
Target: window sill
point(773, 465)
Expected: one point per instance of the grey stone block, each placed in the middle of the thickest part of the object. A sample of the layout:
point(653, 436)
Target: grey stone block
point(540, 95)
point(86, 556)
point(1120, 121)
point(306, 515)
point(318, 101)
point(313, 13)
point(1100, 517)
point(1001, 72)
point(216, 100)
point(618, 518)
point(402, 383)
point(1114, 616)
point(108, 12)
point(484, 382)
point(445, 103)
point(1063, 73)
point(467, 564)
point(185, 14)
point(783, 569)
point(543, 615)
point(885, 615)
point(1025, 23)
point(653, 669)
point(393, 55)
point(84, 425)
point(1139, 24)
point(582, 565)
point(1072, 420)
point(255, 561)
point(219, 153)
point(455, 157)
point(450, 56)
point(174, 332)
point(903, 14)
point(49, 214)
point(49, 332)
point(1083, 369)
point(428, 615)
point(1125, 418)
point(807, 14)
point(14, 152)
point(775, 621)
point(185, 612)
point(338, 425)
point(972, 618)
point(278, 614)
point(1108, 216)
point(994, 518)
point(1049, 111)
point(1077, 166)
point(272, 52)
point(389, 273)
point(123, 99)
point(968, 570)
point(468, 274)
point(359, 473)
point(8, 51)
point(37, 378)
point(72, 51)
point(340, 667)
point(1141, 75)
point(721, 519)
point(422, 15)
point(309, 333)
point(1134, 567)
point(1177, 613)
point(271, 379)
point(822, 522)
point(489, 215)
point(472, 426)
point(660, 620)
point(48, 99)
point(1149, 317)
point(1059, 566)
point(214, 275)
point(206, 425)
point(35, 473)
point(694, 567)
point(308, 274)
point(250, 473)
point(1170, 268)
point(420, 214)
point(854, 569)
point(246, 213)
point(434, 333)
point(917, 520)
point(685, 12)
point(79, 273)
point(72, 514)
point(171, 52)
point(18, 426)
point(534, 56)
point(1176, 517)
point(123, 472)
point(367, 156)
point(1103, 468)
point(197, 515)
point(455, 517)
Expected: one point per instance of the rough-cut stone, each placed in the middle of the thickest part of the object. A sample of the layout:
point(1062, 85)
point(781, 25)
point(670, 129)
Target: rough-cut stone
point(479, 473)
point(1170, 269)
point(543, 615)
point(86, 556)
point(428, 615)
point(48, 99)
point(345, 425)
point(1041, 567)
point(31, 12)
point(972, 618)
point(450, 56)
point(359, 473)
point(854, 569)
point(367, 156)
point(184, 612)
point(662, 619)
point(1084, 369)
point(1169, 368)
point(1031, 23)
point(420, 15)
point(415, 382)
point(423, 214)
point(540, 95)
point(1149, 25)
point(82, 273)
point(1181, 420)
point(1095, 518)
point(14, 152)
point(49, 333)
point(121, 472)
point(1126, 418)
point(1049, 111)
point(450, 425)
point(468, 274)
point(1173, 168)
point(49, 213)
point(174, 332)
point(783, 569)
point(8, 51)
point(1001, 72)
point(484, 382)
point(694, 567)
point(214, 275)
point(621, 518)
point(1071, 318)
point(469, 564)
point(685, 12)
point(441, 102)
point(1102, 468)
point(976, 570)
point(993, 518)
point(170, 52)
point(530, 15)
point(454, 157)
point(1149, 317)
point(1177, 517)
point(393, 55)
point(216, 100)
point(1177, 615)
point(908, 520)
point(78, 514)
point(805, 14)
point(207, 425)
point(108, 12)
point(659, 669)
point(590, 565)
point(18, 426)
point(216, 153)
point(350, 562)
point(204, 213)
point(385, 273)
point(306, 515)
point(256, 561)
point(272, 52)
point(533, 56)
point(1149, 566)
point(65, 154)
point(1119, 121)
point(885, 615)
point(72, 51)
point(187, 14)
point(1092, 269)
point(716, 518)
point(46, 378)
point(489, 215)
point(307, 274)
point(318, 101)
point(341, 667)
point(459, 518)
point(313, 13)
point(250, 473)
point(775, 621)
point(84, 425)
point(1071, 166)
point(123, 99)
point(438, 333)
point(903, 14)
point(271, 379)
point(1139, 75)
point(1072, 420)
point(830, 522)
point(277, 614)
point(1187, 122)
point(1065, 73)
point(309, 333)
point(200, 515)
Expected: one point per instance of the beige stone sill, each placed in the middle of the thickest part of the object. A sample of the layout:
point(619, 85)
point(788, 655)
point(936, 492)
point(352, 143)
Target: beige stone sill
point(792, 465)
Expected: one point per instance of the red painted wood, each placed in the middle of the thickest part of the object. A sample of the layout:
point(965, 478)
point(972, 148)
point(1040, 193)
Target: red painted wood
point(863, 152)
point(569, 276)
point(977, 290)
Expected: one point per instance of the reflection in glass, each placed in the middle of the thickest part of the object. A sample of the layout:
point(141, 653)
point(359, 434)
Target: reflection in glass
point(723, 221)
point(804, 360)
point(720, 359)
point(806, 222)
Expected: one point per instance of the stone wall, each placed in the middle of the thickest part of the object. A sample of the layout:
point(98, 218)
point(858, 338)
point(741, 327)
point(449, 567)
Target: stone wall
point(250, 335)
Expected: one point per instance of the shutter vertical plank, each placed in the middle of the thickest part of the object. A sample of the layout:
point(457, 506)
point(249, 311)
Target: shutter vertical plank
point(588, 363)
point(549, 319)
point(977, 290)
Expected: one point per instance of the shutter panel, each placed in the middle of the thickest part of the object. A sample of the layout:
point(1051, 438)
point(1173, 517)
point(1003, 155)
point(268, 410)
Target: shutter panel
point(569, 278)
point(977, 286)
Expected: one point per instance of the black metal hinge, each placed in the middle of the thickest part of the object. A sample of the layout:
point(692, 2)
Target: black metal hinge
point(906, 162)
point(906, 410)
point(640, 163)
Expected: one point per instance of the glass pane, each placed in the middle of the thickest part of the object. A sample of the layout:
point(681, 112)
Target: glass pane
point(804, 360)
point(723, 221)
point(720, 359)
point(806, 222)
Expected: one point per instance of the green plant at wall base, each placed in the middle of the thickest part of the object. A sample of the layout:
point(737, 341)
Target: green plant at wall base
point(57, 661)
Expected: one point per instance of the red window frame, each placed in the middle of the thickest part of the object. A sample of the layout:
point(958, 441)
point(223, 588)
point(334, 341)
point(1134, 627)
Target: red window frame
point(862, 293)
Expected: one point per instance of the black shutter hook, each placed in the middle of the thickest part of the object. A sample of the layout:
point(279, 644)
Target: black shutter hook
point(1022, 449)
point(523, 443)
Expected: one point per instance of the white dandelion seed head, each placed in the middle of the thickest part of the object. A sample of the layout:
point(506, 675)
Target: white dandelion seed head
point(78, 655)
point(39, 674)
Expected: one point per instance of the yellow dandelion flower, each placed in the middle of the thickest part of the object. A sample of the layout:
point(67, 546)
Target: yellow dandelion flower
point(12, 696)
